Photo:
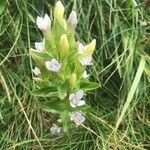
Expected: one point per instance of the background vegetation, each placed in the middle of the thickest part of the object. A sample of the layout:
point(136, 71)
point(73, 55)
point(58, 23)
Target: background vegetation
point(120, 118)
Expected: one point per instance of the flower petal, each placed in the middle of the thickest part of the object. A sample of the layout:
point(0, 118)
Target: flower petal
point(85, 61)
point(81, 102)
point(71, 96)
point(85, 74)
point(39, 46)
point(72, 104)
point(39, 22)
point(36, 71)
point(79, 94)
point(43, 23)
point(47, 21)
point(80, 48)
point(53, 65)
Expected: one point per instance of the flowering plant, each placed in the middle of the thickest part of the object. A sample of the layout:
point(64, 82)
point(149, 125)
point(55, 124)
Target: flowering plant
point(60, 70)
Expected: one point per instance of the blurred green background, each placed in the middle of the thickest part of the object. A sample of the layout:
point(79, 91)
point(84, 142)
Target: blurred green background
point(120, 119)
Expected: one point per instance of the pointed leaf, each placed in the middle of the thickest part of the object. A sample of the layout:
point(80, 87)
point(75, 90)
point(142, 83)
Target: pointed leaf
point(87, 85)
point(46, 92)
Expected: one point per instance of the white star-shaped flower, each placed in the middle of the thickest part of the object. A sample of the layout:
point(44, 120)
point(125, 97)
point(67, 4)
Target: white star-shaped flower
point(53, 65)
point(55, 129)
point(76, 99)
point(39, 46)
point(43, 23)
point(78, 118)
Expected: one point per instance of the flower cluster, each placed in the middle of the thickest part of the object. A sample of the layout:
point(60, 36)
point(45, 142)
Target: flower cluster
point(61, 64)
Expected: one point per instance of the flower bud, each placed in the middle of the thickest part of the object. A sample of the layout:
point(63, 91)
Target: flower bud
point(90, 48)
point(72, 20)
point(59, 11)
point(43, 23)
point(64, 45)
point(72, 81)
point(64, 24)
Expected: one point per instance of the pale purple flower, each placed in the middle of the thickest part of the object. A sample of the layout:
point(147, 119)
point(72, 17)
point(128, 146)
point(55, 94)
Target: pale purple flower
point(36, 71)
point(53, 65)
point(55, 129)
point(72, 20)
point(43, 23)
point(39, 46)
point(76, 99)
point(85, 61)
point(77, 117)
point(80, 47)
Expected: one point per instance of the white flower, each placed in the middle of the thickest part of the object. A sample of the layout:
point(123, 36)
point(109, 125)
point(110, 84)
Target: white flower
point(80, 47)
point(85, 75)
point(36, 71)
point(55, 129)
point(85, 61)
point(76, 99)
point(53, 65)
point(78, 118)
point(39, 46)
point(72, 20)
point(43, 23)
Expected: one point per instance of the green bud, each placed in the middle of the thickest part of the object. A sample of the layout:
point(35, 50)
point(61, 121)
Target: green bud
point(72, 81)
point(90, 48)
point(59, 11)
point(64, 45)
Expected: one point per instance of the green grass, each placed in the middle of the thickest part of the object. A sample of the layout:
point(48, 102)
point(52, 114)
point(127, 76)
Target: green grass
point(120, 116)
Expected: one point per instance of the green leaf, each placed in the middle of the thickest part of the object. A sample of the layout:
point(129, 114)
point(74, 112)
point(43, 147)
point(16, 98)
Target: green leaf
point(54, 106)
point(65, 117)
point(132, 91)
point(62, 90)
point(71, 39)
point(46, 92)
point(42, 83)
point(40, 55)
point(87, 85)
